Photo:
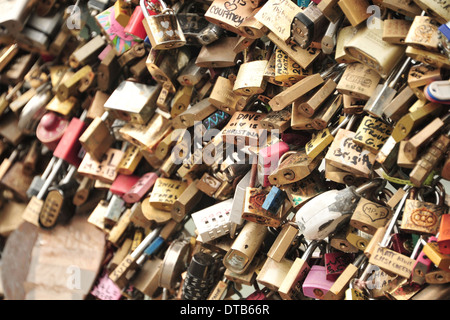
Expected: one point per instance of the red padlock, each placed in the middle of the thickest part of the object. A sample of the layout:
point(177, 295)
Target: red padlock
point(69, 146)
point(122, 184)
point(140, 188)
point(336, 262)
point(135, 27)
point(50, 129)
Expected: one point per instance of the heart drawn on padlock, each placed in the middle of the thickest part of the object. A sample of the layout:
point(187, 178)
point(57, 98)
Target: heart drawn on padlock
point(375, 212)
point(230, 6)
point(165, 24)
point(160, 34)
point(170, 33)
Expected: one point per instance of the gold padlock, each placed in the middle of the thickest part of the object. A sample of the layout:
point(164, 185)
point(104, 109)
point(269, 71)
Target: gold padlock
point(165, 193)
point(250, 78)
point(163, 29)
point(358, 81)
point(396, 30)
point(229, 15)
point(423, 34)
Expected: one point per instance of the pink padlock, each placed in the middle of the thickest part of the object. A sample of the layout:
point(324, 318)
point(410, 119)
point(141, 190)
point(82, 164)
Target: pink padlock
point(123, 183)
point(140, 188)
point(268, 161)
point(50, 129)
point(316, 284)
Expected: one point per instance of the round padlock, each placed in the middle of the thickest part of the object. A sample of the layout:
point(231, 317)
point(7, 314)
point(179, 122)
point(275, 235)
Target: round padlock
point(50, 129)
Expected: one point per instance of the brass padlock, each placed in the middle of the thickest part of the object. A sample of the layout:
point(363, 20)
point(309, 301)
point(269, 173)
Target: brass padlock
point(368, 47)
point(222, 95)
point(344, 35)
point(330, 10)
point(372, 133)
point(245, 84)
point(277, 120)
point(219, 54)
point(423, 34)
point(435, 9)
point(165, 193)
point(163, 29)
point(355, 11)
point(229, 15)
point(287, 71)
point(358, 81)
point(293, 166)
point(406, 8)
point(97, 139)
point(396, 30)
point(252, 28)
point(420, 216)
point(277, 16)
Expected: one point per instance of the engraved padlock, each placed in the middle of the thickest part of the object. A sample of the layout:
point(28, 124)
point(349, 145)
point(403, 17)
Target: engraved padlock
point(423, 217)
point(163, 30)
point(308, 26)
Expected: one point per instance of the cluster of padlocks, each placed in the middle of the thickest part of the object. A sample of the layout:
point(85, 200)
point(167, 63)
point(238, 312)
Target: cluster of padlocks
point(296, 148)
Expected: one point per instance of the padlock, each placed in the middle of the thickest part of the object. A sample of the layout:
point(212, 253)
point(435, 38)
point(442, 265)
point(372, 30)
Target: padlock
point(435, 59)
point(344, 35)
point(165, 193)
point(278, 17)
point(87, 53)
point(287, 71)
point(163, 29)
point(431, 250)
point(103, 170)
point(422, 265)
point(430, 158)
point(222, 95)
point(197, 112)
point(420, 216)
point(409, 9)
point(214, 221)
point(186, 202)
point(358, 81)
point(18, 13)
point(129, 57)
point(8, 53)
point(252, 28)
point(396, 30)
point(344, 154)
point(229, 15)
point(336, 262)
point(273, 273)
point(308, 26)
point(413, 119)
point(129, 263)
point(142, 108)
point(245, 247)
point(283, 242)
point(122, 12)
point(135, 27)
point(248, 86)
point(199, 279)
point(268, 159)
point(344, 282)
point(108, 71)
point(277, 120)
point(328, 111)
point(318, 224)
point(400, 104)
point(174, 263)
point(312, 102)
point(316, 285)
point(359, 239)
point(356, 12)
point(423, 34)
point(442, 238)
point(291, 287)
point(192, 75)
point(296, 166)
point(165, 68)
point(304, 57)
point(97, 138)
point(130, 160)
point(414, 145)
point(50, 129)
point(369, 216)
point(437, 277)
point(58, 206)
point(372, 133)
point(423, 74)
point(368, 47)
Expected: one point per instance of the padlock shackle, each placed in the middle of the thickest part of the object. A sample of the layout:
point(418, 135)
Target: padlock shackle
point(312, 247)
point(145, 243)
point(369, 185)
point(50, 178)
